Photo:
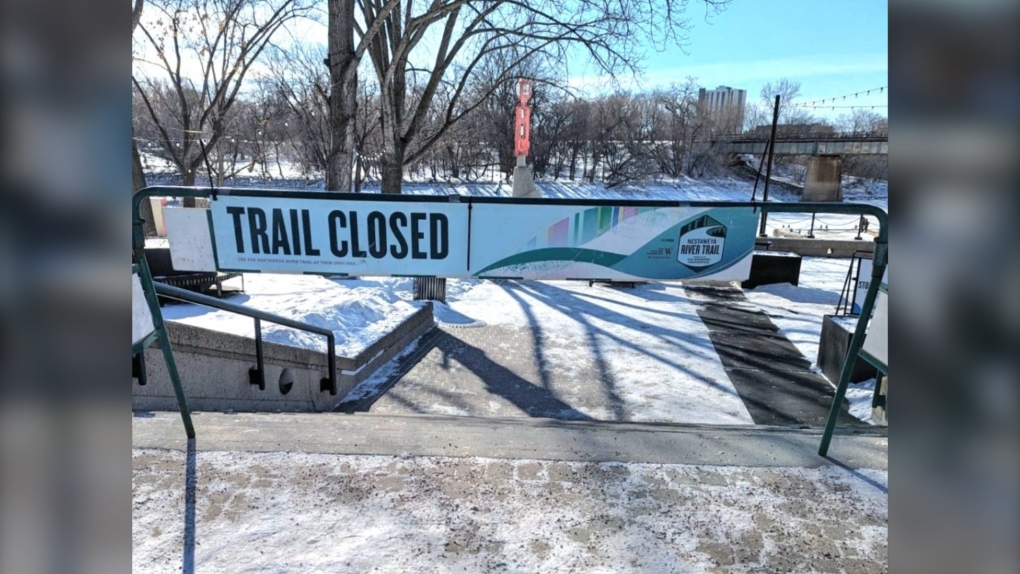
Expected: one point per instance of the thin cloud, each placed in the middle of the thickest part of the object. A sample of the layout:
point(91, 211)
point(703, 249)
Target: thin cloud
point(749, 73)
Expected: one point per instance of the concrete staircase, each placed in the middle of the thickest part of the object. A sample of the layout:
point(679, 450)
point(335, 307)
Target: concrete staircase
point(214, 370)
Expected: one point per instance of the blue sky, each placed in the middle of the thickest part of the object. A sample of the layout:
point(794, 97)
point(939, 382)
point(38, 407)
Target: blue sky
point(833, 47)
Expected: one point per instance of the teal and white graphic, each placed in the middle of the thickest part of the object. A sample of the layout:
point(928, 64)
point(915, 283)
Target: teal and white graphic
point(702, 243)
point(616, 242)
point(481, 238)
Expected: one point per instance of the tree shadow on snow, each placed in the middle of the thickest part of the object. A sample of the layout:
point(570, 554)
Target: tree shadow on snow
point(498, 380)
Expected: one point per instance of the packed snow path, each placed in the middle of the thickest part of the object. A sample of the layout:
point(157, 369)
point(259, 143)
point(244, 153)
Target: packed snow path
point(568, 351)
point(773, 378)
point(564, 350)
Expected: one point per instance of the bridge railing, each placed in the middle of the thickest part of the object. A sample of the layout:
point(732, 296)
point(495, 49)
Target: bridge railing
point(805, 135)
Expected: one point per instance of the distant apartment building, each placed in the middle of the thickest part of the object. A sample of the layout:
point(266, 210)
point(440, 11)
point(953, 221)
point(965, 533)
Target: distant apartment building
point(724, 106)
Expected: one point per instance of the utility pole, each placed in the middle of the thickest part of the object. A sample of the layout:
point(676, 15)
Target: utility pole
point(768, 168)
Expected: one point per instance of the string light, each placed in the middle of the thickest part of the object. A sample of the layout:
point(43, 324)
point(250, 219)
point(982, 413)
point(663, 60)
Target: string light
point(843, 97)
point(846, 107)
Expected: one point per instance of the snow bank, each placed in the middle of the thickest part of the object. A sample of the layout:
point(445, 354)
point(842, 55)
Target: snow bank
point(359, 312)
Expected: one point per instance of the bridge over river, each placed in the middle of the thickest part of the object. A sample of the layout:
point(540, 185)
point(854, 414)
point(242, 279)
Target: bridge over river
point(842, 143)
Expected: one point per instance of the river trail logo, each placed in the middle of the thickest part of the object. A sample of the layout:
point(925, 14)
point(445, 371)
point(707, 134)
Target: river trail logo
point(701, 243)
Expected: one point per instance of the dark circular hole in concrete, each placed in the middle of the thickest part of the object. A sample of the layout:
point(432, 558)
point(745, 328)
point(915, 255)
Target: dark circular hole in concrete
point(286, 381)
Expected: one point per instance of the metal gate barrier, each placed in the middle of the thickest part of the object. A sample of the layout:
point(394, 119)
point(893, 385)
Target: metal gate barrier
point(880, 258)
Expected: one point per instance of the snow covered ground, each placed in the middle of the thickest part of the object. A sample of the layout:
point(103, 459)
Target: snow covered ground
point(649, 341)
point(294, 512)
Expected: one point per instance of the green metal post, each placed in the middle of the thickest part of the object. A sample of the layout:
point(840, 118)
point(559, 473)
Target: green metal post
point(877, 271)
point(145, 275)
point(164, 342)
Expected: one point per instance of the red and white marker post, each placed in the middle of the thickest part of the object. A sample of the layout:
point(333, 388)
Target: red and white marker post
point(524, 184)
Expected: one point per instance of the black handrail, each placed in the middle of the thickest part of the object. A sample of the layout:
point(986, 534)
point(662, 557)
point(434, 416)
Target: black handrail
point(848, 292)
point(326, 383)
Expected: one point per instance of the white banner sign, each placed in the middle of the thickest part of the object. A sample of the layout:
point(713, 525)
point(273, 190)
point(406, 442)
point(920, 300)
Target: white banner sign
point(331, 237)
point(303, 233)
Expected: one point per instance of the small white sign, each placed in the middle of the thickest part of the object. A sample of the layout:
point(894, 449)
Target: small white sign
point(876, 343)
point(863, 282)
point(189, 236)
point(141, 317)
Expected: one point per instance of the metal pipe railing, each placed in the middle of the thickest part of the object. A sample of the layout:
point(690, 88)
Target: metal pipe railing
point(845, 305)
point(326, 383)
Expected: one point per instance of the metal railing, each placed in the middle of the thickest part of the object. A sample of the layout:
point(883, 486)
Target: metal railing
point(877, 135)
point(847, 293)
point(429, 289)
point(257, 374)
point(880, 257)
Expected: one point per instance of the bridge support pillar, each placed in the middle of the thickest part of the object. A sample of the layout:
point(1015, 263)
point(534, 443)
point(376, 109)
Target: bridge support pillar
point(822, 182)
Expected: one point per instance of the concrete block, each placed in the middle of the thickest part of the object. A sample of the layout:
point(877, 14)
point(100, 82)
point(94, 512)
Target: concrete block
point(820, 247)
point(524, 181)
point(832, 349)
point(768, 267)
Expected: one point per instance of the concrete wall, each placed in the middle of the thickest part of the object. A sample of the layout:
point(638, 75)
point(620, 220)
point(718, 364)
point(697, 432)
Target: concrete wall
point(822, 181)
point(214, 370)
point(821, 247)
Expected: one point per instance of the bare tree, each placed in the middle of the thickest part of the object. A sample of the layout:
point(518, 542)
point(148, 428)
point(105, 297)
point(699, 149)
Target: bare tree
point(789, 112)
point(578, 136)
point(302, 83)
point(137, 173)
point(202, 49)
point(342, 96)
point(862, 120)
point(679, 123)
point(464, 32)
point(550, 129)
point(342, 58)
point(868, 167)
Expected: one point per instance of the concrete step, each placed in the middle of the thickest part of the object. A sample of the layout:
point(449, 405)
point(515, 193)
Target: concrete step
point(513, 438)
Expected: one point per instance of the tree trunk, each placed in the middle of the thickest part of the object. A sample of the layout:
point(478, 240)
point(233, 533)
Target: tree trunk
point(393, 170)
point(394, 147)
point(343, 104)
point(188, 180)
point(138, 182)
